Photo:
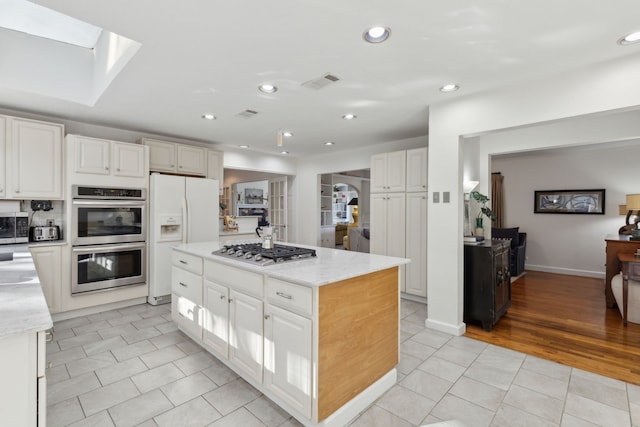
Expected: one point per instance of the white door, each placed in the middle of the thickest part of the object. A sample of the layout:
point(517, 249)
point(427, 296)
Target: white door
point(245, 334)
point(278, 203)
point(378, 224)
point(216, 318)
point(202, 207)
point(416, 271)
point(287, 357)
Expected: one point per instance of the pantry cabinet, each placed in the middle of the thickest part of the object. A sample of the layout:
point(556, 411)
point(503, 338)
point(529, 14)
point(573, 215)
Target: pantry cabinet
point(416, 244)
point(388, 172)
point(388, 224)
point(417, 170)
point(33, 160)
point(215, 166)
point(176, 158)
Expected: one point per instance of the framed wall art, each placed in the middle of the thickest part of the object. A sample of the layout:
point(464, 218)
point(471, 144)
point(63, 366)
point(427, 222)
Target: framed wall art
point(569, 201)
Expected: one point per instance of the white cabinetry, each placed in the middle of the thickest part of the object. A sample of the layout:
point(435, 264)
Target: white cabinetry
point(246, 342)
point(417, 170)
point(186, 289)
point(104, 157)
point(328, 236)
point(33, 160)
point(215, 166)
point(388, 172)
point(23, 392)
point(3, 157)
point(48, 262)
point(176, 158)
point(216, 318)
point(416, 244)
point(388, 224)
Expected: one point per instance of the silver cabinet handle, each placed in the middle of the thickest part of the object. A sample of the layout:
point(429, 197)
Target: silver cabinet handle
point(184, 262)
point(230, 299)
point(106, 168)
point(267, 316)
point(118, 169)
point(283, 295)
point(182, 284)
point(222, 297)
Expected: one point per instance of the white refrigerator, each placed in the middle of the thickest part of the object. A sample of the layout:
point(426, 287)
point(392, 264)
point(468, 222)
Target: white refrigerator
point(181, 210)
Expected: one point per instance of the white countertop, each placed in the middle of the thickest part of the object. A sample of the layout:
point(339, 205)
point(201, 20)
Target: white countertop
point(329, 265)
point(23, 308)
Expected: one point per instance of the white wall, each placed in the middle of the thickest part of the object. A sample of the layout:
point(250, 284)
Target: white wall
point(562, 243)
point(602, 87)
point(307, 181)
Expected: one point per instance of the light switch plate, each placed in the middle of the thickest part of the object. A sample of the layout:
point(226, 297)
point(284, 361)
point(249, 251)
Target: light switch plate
point(436, 197)
point(445, 196)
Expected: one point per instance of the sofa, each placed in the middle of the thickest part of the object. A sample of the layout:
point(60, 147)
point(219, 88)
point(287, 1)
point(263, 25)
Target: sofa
point(358, 239)
point(518, 247)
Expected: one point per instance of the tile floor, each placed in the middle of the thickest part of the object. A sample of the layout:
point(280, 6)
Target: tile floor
point(132, 367)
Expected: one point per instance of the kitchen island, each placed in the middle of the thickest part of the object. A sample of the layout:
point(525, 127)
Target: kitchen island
point(319, 336)
point(24, 318)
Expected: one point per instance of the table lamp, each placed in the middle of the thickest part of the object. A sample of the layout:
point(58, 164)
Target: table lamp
point(354, 202)
point(632, 208)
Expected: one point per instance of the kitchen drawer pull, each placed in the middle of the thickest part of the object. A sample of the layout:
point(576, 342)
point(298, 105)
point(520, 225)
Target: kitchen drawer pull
point(267, 316)
point(182, 284)
point(184, 262)
point(222, 297)
point(283, 295)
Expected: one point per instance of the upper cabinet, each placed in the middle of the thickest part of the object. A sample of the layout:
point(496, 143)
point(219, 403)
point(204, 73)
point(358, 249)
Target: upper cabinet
point(176, 158)
point(388, 172)
point(417, 170)
point(215, 166)
point(33, 157)
point(103, 157)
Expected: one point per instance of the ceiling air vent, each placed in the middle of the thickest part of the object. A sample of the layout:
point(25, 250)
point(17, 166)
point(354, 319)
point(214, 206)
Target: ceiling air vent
point(247, 113)
point(321, 82)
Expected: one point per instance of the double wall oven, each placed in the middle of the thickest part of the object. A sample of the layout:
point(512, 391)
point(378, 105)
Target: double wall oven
point(108, 234)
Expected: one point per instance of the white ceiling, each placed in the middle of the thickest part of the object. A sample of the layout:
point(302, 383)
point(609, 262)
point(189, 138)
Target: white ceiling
point(201, 56)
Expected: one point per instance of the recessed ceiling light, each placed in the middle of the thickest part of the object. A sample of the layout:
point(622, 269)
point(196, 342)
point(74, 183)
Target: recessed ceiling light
point(287, 134)
point(267, 88)
point(284, 152)
point(630, 38)
point(208, 116)
point(243, 146)
point(451, 87)
point(349, 116)
point(329, 143)
point(376, 34)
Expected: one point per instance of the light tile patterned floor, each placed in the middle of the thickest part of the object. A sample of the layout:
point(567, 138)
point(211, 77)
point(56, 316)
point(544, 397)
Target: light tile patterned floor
point(132, 367)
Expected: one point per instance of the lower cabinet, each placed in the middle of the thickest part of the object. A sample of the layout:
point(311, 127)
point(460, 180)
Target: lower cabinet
point(186, 300)
point(216, 318)
point(48, 262)
point(287, 357)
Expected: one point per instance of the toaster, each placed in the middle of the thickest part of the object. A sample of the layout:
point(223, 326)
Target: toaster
point(43, 233)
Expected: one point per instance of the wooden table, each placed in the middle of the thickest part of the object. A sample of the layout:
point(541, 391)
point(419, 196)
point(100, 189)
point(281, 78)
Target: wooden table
point(616, 244)
point(630, 270)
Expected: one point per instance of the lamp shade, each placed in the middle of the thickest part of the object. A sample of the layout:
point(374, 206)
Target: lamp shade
point(354, 201)
point(633, 202)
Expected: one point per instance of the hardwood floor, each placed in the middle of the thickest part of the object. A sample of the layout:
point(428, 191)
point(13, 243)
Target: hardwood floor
point(565, 319)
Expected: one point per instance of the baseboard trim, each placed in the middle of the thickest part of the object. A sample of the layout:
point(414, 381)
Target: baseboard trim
point(567, 271)
point(97, 309)
point(446, 327)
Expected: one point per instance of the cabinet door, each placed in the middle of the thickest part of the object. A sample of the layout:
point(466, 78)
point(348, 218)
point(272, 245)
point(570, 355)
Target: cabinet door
point(396, 171)
point(378, 173)
point(216, 318)
point(162, 155)
point(416, 244)
point(417, 169)
point(187, 315)
point(287, 357)
point(215, 166)
point(245, 334)
point(378, 222)
point(128, 160)
point(48, 261)
point(92, 155)
point(3, 143)
point(35, 159)
point(191, 160)
point(396, 224)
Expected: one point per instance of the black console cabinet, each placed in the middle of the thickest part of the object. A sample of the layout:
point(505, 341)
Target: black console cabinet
point(487, 282)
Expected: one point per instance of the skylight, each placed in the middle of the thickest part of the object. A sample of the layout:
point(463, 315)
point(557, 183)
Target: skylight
point(36, 20)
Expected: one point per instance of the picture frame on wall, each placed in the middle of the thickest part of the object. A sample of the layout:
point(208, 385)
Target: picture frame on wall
point(590, 202)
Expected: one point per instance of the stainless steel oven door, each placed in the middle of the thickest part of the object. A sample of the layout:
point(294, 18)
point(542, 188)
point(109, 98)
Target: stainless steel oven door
point(107, 221)
point(102, 267)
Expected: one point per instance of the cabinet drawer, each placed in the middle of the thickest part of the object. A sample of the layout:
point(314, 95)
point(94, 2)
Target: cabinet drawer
point(235, 278)
point(187, 262)
point(186, 284)
point(290, 296)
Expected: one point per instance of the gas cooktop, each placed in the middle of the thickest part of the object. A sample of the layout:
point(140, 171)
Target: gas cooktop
point(254, 253)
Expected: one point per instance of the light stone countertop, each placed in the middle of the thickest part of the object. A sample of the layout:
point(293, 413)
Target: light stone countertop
point(329, 265)
point(23, 308)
